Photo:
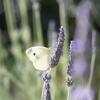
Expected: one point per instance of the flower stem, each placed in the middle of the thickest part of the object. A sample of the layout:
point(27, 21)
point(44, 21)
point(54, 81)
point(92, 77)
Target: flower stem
point(42, 91)
point(68, 93)
point(93, 57)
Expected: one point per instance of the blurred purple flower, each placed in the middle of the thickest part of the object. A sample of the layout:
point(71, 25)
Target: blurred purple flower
point(82, 93)
point(78, 63)
point(79, 66)
point(77, 46)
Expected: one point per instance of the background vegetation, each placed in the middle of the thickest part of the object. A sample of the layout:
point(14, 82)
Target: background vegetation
point(26, 23)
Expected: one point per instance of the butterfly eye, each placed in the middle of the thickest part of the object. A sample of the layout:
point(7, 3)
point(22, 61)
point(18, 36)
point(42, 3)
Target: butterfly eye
point(34, 54)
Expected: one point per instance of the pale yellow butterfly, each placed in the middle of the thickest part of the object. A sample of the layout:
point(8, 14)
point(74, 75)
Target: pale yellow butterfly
point(39, 56)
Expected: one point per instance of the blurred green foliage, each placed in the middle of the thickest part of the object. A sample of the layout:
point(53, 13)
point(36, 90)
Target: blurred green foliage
point(27, 25)
point(18, 78)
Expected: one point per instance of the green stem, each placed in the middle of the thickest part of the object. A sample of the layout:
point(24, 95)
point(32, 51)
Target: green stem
point(93, 57)
point(37, 26)
point(42, 95)
point(23, 12)
point(68, 93)
point(10, 18)
point(91, 69)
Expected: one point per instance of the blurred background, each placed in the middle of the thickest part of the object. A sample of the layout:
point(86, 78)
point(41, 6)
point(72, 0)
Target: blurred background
point(26, 23)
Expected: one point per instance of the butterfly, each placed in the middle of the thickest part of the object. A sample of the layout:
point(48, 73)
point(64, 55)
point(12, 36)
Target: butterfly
point(39, 56)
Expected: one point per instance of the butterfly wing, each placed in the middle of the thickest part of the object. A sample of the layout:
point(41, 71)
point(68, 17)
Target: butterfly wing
point(39, 56)
point(42, 62)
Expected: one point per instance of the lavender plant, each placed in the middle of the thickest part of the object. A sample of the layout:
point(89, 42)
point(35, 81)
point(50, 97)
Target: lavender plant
point(46, 95)
point(20, 83)
point(58, 48)
point(79, 62)
point(69, 79)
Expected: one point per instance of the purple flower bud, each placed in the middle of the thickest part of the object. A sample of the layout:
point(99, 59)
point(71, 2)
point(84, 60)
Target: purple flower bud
point(69, 70)
point(69, 67)
point(46, 76)
point(69, 81)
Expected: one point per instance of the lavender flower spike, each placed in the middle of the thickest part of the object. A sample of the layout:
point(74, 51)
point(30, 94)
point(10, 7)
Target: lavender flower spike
point(54, 61)
point(69, 79)
point(58, 48)
point(46, 89)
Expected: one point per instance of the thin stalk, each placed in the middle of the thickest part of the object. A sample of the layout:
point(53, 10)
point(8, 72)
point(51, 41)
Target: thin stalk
point(68, 93)
point(10, 17)
point(92, 69)
point(25, 32)
point(93, 57)
point(37, 26)
point(42, 94)
point(23, 12)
